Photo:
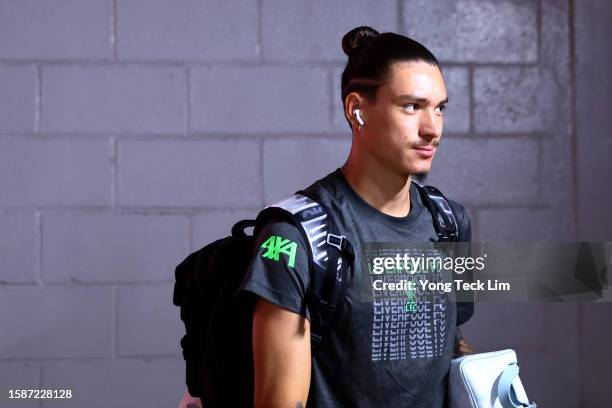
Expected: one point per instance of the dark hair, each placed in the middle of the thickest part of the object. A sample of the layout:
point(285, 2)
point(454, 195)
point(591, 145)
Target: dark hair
point(370, 56)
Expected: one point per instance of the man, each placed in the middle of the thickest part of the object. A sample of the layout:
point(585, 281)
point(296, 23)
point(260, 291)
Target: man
point(396, 130)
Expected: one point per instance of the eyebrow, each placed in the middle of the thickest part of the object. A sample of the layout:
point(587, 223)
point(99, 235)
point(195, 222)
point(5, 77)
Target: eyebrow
point(420, 100)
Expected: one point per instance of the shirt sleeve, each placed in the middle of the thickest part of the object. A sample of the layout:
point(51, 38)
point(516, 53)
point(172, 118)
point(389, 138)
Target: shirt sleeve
point(279, 269)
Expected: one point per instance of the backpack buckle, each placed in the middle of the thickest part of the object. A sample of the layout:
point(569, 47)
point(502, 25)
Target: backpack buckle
point(336, 241)
point(447, 237)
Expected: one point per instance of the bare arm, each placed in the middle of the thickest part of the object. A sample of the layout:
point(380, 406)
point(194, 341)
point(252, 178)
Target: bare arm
point(190, 402)
point(461, 346)
point(281, 356)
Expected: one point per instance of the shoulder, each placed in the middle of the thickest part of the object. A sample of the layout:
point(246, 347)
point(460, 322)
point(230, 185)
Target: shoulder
point(458, 209)
point(463, 219)
point(278, 226)
point(297, 215)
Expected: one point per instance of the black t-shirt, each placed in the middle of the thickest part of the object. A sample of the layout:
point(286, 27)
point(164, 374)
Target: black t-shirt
point(377, 354)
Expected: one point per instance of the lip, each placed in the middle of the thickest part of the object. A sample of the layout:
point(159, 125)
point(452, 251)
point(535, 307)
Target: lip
point(425, 152)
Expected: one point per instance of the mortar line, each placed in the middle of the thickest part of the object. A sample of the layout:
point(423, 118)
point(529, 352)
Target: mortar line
point(401, 27)
point(38, 99)
point(471, 100)
point(113, 36)
point(115, 324)
point(262, 197)
point(331, 107)
point(573, 120)
point(259, 51)
point(114, 172)
point(188, 98)
point(539, 31)
point(190, 222)
point(574, 158)
point(39, 246)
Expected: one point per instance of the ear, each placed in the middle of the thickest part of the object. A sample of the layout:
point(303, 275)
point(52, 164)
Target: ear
point(353, 101)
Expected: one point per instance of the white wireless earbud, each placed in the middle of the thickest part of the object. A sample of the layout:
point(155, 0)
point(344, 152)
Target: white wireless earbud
point(358, 116)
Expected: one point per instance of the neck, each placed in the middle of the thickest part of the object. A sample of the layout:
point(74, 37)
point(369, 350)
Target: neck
point(378, 185)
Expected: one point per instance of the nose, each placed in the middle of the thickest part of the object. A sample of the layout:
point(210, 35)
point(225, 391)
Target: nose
point(430, 125)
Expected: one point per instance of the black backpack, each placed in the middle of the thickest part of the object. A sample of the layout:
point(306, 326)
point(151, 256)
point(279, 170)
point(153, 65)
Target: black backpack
point(217, 344)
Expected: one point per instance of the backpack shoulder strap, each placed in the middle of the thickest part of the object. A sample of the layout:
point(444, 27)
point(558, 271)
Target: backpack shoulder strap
point(308, 215)
point(330, 257)
point(442, 213)
point(446, 223)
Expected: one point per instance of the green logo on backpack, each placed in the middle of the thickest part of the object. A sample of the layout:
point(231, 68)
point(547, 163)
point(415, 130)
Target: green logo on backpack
point(276, 245)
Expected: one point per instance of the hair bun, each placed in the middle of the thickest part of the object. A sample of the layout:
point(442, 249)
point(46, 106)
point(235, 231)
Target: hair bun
point(357, 38)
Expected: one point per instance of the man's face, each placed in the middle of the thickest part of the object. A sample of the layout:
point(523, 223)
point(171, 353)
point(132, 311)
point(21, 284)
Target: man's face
point(404, 124)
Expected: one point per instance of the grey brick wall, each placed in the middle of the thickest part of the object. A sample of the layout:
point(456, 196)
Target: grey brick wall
point(132, 132)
